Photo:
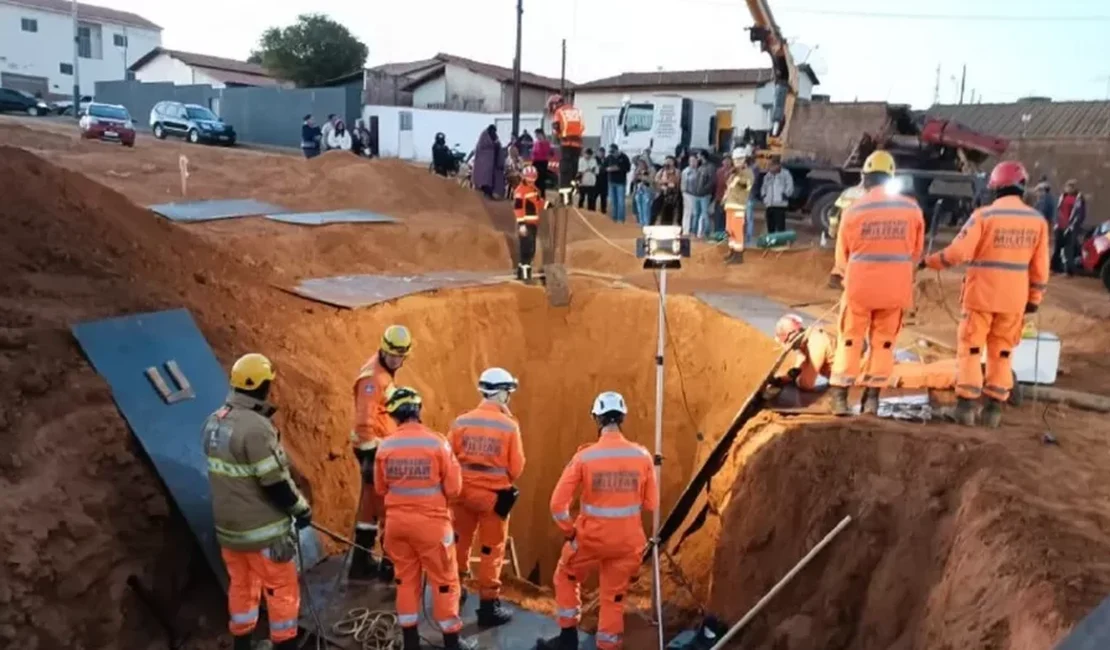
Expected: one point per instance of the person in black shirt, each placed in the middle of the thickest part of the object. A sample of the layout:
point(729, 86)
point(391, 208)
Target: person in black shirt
point(310, 138)
point(616, 167)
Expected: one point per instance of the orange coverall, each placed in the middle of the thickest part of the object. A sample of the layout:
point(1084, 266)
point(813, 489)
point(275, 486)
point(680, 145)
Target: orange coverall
point(1005, 246)
point(617, 479)
point(528, 202)
point(372, 424)
point(569, 126)
point(417, 474)
point(881, 238)
point(487, 443)
point(815, 360)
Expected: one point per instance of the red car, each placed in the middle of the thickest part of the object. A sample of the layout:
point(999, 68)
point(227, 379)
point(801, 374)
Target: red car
point(109, 122)
point(1095, 253)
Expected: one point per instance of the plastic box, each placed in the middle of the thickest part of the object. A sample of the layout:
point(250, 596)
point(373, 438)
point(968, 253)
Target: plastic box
point(1026, 365)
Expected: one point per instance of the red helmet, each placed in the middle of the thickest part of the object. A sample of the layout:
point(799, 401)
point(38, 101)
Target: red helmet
point(788, 327)
point(529, 174)
point(554, 102)
point(1009, 173)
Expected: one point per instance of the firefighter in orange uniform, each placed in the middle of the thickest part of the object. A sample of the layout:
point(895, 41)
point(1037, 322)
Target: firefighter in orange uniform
point(372, 424)
point(568, 127)
point(617, 482)
point(880, 242)
point(814, 352)
point(738, 188)
point(528, 202)
point(255, 505)
point(1005, 247)
point(487, 443)
point(416, 473)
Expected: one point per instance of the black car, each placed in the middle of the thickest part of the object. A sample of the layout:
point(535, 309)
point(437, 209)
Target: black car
point(22, 102)
point(193, 122)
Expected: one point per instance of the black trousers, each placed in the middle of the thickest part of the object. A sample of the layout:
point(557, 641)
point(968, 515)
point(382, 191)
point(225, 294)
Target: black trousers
point(587, 196)
point(602, 192)
point(541, 174)
point(776, 219)
point(568, 164)
point(1064, 252)
point(527, 243)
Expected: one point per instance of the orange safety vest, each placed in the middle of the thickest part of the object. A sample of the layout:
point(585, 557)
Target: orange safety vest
point(880, 241)
point(569, 125)
point(1005, 247)
point(416, 472)
point(487, 443)
point(527, 203)
point(372, 387)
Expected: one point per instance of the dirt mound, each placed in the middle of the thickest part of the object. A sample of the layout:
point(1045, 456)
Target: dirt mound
point(18, 135)
point(960, 539)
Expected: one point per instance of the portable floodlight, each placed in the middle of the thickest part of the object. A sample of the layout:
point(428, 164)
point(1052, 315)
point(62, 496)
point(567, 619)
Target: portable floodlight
point(662, 247)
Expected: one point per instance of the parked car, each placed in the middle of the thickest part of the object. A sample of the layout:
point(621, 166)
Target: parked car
point(65, 106)
point(22, 101)
point(1095, 253)
point(109, 122)
point(193, 122)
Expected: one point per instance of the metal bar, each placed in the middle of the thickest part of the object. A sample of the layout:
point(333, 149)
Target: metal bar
point(339, 538)
point(513, 557)
point(657, 585)
point(782, 583)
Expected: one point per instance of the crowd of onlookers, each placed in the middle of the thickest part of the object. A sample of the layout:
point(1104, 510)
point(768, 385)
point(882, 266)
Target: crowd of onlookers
point(334, 135)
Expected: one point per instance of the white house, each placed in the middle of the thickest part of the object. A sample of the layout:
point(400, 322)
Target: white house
point(187, 68)
point(408, 133)
point(454, 82)
point(744, 97)
point(36, 45)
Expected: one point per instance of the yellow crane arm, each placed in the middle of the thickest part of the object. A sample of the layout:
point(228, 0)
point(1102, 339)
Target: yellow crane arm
point(766, 32)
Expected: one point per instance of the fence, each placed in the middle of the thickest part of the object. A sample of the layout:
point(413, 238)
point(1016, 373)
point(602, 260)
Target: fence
point(270, 116)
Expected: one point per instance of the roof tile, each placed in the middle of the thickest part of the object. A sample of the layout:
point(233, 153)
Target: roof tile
point(89, 12)
point(1089, 119)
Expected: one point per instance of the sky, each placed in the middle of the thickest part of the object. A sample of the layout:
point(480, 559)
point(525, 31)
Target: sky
point(865, 50)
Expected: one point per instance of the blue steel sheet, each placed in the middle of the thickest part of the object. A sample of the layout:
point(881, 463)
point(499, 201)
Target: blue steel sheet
point(357, 291)
point(1092, 633)
point(759, 312)
point(332, 216)
point(188, 211)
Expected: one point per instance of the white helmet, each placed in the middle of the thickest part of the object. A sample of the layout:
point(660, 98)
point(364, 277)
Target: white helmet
point(608, 402)
point(496, 380)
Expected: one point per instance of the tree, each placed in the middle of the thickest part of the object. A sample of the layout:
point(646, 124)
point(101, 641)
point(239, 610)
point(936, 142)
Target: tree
point(311, 51)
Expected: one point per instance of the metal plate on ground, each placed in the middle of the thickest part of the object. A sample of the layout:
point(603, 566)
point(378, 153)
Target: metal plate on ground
point(331, 216)
point(128, 352)
point(759, 312)
point(334, 599)
point(358, 291)
point(1092, 633)
point(188, 211)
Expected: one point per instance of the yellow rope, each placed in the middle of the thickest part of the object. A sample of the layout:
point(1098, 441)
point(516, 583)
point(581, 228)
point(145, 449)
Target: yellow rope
point(373, 629)
point(598, 233)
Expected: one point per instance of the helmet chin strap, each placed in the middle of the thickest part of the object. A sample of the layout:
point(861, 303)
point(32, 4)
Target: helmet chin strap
point(500, 397)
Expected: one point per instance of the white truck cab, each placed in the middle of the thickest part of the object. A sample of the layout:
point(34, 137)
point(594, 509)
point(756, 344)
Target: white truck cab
point(662, 123)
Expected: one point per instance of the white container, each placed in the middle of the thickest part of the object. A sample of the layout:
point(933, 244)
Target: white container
point(1026, 365)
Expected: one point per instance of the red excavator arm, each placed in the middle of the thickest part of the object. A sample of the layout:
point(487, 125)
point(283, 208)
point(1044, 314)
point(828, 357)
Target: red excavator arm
point(948, 133)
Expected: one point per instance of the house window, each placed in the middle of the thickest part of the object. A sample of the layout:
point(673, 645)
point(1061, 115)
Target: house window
point(89, 44)
point(406, 120)
point(29, 25)
point(65, 68)
point(119, 40)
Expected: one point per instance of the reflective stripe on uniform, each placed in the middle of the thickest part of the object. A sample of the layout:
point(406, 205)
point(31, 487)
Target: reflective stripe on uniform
point(876, 205)
point(605, 637)
point(411, 443)
point(485, 469)
point(570, 612)
point(997, 390)
point(1009, 212)
point(610, 513)
point(450, 624)
point(841, 380)
point(287, 624)
point(1002, 266)
point(485, 422)
point(260, 534)
point(246, 618)
point(415, 491)
point(365, 445)
point(879, 257)
point(1038, 286)
point(408, 620)
point(561, 516)
point(243, 470)
point(974, 390)
point(619, 452)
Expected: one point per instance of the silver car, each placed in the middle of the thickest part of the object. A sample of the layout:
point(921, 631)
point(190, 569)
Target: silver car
point(193, 122)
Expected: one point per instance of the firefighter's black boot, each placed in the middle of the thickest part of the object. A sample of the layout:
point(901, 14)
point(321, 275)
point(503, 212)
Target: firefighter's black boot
point(871, 401)
point(363, 565)
point(838, 400)
point(991, 417)
point(411, 638)
point(289, 644)
point(735, 257)
point(242, 642)
point(567, 640)
point(384, 570)
point(965, 412)
point(451, 641)
point(492, 613)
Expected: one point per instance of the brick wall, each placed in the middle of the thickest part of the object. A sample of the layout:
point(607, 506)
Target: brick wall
point(829, 131)
point(1085, 160)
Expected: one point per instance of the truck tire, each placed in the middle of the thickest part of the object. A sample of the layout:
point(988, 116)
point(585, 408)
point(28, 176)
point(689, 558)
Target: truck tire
point(1104, 274)
point(819, 211)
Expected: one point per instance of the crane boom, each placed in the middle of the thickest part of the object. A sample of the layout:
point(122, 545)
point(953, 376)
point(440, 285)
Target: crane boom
point(766, 32)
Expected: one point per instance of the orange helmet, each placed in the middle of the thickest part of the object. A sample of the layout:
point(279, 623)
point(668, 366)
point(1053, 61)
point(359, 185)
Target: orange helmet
point(529, 174)
point(788, 327)
point(554, 102)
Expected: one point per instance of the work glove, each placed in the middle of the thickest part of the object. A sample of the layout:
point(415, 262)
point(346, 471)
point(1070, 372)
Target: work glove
point(1030, 308)
point(921, 266)
point(303, 519)
point(836, 281)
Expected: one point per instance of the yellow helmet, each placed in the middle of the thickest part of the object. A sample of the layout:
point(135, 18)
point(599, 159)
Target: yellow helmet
point(250, 371)
point(403, 398)
point(879, 162)
point(397, 340)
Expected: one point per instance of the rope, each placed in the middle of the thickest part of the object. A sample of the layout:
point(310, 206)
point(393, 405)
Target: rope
point(944, 302)
point(372, 629)
point(598, 233)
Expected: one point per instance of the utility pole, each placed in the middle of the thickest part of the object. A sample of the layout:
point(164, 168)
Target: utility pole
point(76, 63)
point(963, 81)
point(563, 72)
point(936, 88)
point(516, 71)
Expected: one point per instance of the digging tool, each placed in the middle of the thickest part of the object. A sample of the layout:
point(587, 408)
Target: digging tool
point(339, 538)
point(782, 583)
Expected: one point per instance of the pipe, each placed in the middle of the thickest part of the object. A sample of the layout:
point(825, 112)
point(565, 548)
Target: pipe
point(339, 538)
point(782, 583)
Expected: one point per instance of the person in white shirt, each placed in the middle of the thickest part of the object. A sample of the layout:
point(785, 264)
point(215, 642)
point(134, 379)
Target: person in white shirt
point(326, 131)
point(340, 137)
point(587, 180)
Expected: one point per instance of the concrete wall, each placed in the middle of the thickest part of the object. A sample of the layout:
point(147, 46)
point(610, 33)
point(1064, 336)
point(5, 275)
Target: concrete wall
point(472, 88)
point(165, 68)
point(270, 116)
point(461, 127)
point(41, 53)
point(1085, 160)
point(434, 91)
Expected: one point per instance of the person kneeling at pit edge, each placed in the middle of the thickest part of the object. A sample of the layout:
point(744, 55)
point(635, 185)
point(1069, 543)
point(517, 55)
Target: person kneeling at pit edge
point(416, 473)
